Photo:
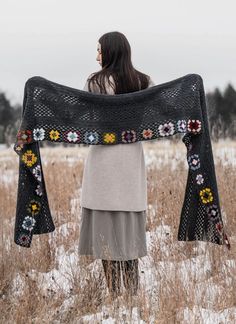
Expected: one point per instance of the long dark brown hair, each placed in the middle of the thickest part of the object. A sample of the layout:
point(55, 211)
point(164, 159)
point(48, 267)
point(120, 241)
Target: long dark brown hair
point(116, 62)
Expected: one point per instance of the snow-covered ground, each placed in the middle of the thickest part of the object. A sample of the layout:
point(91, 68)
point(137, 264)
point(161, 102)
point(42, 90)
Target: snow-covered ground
point(200, 266)
point(193, 272)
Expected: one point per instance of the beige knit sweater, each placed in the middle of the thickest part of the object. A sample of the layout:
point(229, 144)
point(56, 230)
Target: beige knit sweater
point(114, 177)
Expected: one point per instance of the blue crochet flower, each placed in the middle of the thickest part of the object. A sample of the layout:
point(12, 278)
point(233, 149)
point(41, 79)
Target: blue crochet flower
point(28, 223)
point(181, 125)
point(194, 162)
point(91, 137)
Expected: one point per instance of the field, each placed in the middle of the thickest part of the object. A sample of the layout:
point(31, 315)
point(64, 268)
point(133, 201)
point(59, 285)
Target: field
point(193, 282)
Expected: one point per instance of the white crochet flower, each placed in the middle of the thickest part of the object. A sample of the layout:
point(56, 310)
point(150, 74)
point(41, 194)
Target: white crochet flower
point(38, 134)
point(39, 191)
point(28, 223)
point(199, 179)
point(166, 129)
point(37, 172)
point(72, 136)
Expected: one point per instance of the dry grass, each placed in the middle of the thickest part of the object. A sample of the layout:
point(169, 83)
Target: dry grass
point(175, 276)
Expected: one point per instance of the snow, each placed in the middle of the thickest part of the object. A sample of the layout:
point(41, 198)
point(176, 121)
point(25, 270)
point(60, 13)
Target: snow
point(104, 317)
point(208, 316)
point(164, 153)
point(59, 280)
point(198, 266)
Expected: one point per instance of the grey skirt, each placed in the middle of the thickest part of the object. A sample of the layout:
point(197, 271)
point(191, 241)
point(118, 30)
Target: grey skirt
point(112, 235)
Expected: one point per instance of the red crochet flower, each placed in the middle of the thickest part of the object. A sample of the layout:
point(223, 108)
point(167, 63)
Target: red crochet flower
point(24, 136)
point(194, 125)
point(24, 239)
point(147, 133)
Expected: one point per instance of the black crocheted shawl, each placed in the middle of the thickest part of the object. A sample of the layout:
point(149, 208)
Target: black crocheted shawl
point(58, 113)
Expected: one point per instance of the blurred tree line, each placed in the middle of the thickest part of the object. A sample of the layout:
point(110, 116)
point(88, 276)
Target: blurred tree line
point(221, 113)
point(9, 120)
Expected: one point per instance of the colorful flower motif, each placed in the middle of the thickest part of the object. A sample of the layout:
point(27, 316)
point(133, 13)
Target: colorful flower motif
point(194, 162)
point(34, 207)
point(199, 179)
point(166, 129)
point(206, 195)
point(24, 136)
point(37, 172)
point(39, 190)
point(194, 126)
point(71, 136)
point(24, 239)
point(91, 137)
point(29, 158)
point(128, 136)
point(213, 212)
point(147, 133)
point(109, 138)
point(28, 223)
point(181, 126)
point(54, 135)
point(39, 134)
point(18, 147)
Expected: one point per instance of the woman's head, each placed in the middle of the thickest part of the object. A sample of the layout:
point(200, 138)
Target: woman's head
point(115, 51)
point(114, 56)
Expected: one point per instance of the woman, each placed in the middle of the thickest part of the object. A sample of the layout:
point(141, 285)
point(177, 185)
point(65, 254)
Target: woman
point(114, 184)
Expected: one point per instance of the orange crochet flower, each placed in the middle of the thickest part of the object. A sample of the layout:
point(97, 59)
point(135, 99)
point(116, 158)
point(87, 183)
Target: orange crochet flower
point(29, 158)
point(109, 137)
point(147, 133)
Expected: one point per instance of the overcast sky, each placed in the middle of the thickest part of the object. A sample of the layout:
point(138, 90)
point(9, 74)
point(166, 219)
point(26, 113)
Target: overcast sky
point(57, 40)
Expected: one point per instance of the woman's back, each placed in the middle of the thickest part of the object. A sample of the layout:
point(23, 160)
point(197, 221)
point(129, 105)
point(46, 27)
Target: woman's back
point(115, 176)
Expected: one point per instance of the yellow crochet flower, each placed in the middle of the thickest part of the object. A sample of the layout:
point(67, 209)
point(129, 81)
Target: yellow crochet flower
point(54, 135)
point(34, 207)
point(206, 195)
point(109, 137)
point(29, 158)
